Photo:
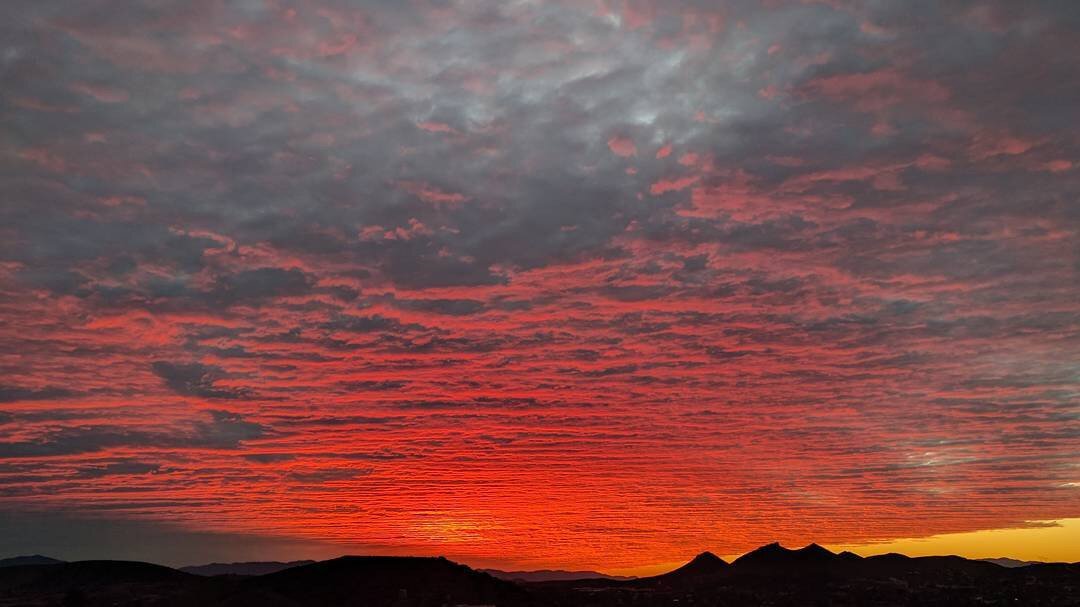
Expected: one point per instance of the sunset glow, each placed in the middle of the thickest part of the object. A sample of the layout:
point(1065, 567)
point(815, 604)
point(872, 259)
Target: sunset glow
point(585, 285)
point(1047, 541)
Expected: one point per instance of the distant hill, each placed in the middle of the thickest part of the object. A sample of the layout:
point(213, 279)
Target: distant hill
point(34, 559)
point(1008, 562)
point(551, 575)
point(245, 569)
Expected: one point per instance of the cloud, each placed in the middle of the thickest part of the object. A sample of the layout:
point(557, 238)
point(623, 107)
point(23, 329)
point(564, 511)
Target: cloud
point(227, 430)
point(375, 385)
point(452, 307)
point(224, 430)
point(505, 253)
point(11, 394)
point(79, 536)
point(119, 468)
point(251, 286)
point(327, 475)
point(195, 379)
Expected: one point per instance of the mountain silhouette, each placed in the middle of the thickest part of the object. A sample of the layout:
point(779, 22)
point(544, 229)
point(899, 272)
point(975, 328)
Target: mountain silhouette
point(1008, 562)
point(701, 566)
point(705, 563)
point(93, 583)
point(771, 575)
point(33, 559)
point(244, 568)
point(388, 580)
point(774, 557)
point(813, 575)
point(552, 575)
point(945, 569)
point(848, 556)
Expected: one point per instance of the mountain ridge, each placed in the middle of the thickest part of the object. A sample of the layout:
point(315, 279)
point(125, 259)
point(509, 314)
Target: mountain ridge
point(771, 574)
point(553, 575)
point(29, 559)
point(244, 568)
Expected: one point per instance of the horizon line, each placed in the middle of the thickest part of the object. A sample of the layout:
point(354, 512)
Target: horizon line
point(1071, 526)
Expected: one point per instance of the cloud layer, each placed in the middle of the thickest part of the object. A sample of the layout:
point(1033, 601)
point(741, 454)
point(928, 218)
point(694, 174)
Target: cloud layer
point(574, 284)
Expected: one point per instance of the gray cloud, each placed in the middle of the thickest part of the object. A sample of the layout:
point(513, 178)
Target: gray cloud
point(11, 394)
point(195, 379)
point(662, 222)
point(224, 430)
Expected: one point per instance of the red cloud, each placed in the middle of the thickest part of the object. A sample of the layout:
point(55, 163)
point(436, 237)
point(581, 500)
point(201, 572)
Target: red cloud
point(429, 193)
point(676, 184)
point(268, 300)
point(622, 146)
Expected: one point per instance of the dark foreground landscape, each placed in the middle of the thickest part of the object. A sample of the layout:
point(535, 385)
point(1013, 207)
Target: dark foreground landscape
point(771, 575)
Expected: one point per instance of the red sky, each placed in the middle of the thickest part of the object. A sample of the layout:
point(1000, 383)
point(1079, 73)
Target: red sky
point(597, 284)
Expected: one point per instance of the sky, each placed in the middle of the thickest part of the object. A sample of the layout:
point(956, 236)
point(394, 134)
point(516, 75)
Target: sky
point(596, 284)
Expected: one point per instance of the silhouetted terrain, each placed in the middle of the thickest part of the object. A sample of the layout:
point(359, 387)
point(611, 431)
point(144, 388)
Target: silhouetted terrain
point(248, 568)
point(1008, 562)
point(35, 559)
point(774, 575)
point(771, 575)
point(702, 567)
point(552, 575)
point(94, 583)
point(388, 581)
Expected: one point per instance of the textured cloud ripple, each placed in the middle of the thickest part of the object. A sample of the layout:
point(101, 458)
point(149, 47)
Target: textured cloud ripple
point(580, 284)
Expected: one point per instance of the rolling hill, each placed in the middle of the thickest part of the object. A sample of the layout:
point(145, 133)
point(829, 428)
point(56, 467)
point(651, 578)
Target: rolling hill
point(771, 575)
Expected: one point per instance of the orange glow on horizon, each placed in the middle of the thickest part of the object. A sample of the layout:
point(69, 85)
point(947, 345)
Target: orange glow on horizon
point(1045, 541)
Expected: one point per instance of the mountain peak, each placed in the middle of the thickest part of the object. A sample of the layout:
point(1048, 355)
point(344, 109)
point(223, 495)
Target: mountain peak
point(705, 563)
point(773, 555)
point(849, 556)
point(707, 557)
point(769, 550)
point(815, 550)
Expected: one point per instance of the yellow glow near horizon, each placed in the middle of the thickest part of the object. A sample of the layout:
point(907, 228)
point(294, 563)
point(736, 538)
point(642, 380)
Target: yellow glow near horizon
point(1053, 541)
point(651, 570)
point(1050, 541)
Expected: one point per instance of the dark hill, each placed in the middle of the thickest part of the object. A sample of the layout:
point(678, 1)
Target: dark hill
point(848, 556)
point(705, 563)
point(695, 572)
point(93, 583)
point(90, 572)
point(938, 569)
point(369, 581)
point(701, 567)
point(378, 581)
point(774, 557)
